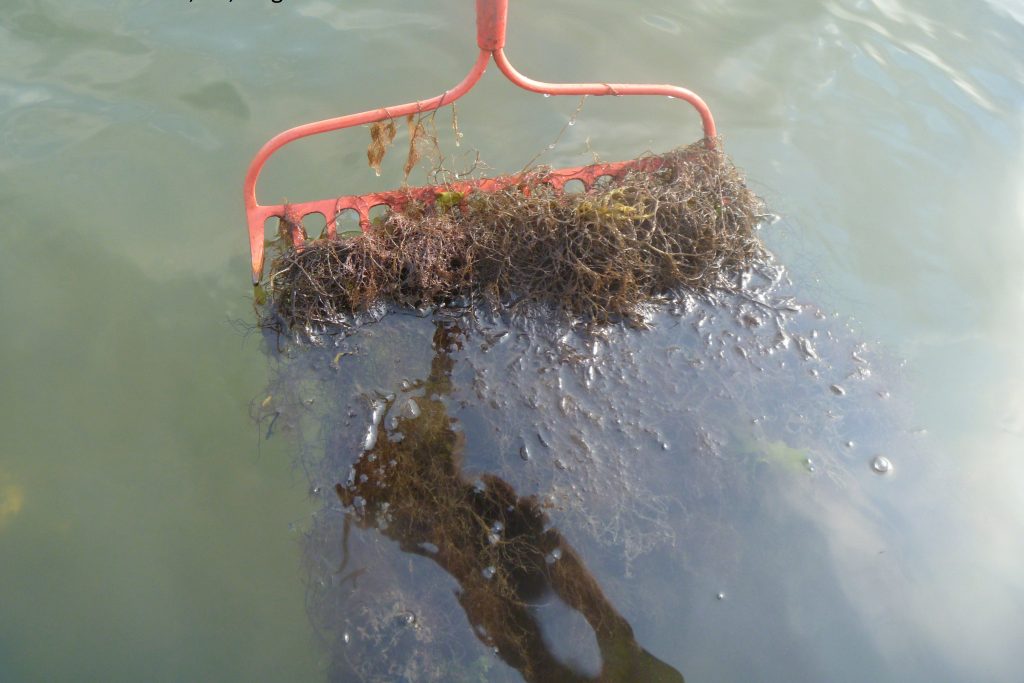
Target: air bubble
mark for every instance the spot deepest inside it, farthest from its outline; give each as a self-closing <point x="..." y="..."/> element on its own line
<point x="371" y="438"/>
<point x="720" y="596"/>
<point x="346" y="638"/>
<point x="881" y="464"/>
<point x="838" y="390"/>
<point x="379" y="407"/>
<point x="572" y="123"/>
<point x="411" y="409"/>
<point x="489" y="572"/>
<point x="547" y="94"/>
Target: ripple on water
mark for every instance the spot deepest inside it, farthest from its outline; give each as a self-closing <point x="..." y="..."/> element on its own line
<point x="662" y="23"/>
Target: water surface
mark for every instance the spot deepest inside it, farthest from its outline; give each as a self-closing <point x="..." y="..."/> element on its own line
<point x="148" y="532"/>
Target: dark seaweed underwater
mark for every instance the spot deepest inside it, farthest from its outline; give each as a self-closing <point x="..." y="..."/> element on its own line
<point x="509" y="497"/>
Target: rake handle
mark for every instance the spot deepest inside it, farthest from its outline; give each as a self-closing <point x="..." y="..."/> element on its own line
<point x="492" y="20"/>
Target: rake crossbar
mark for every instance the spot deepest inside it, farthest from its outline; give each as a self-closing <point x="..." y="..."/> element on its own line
<point x="491" y="22"/>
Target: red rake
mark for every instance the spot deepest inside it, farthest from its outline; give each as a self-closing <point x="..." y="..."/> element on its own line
<point x="491" y="19"/>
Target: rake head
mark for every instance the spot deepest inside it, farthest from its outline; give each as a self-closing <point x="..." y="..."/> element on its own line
<point x="491" y="22"/>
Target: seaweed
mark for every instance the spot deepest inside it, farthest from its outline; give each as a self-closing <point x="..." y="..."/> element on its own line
<point x="687" y="220"/>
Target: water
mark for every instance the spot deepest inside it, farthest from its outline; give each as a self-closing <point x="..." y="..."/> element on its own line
<point x="148" y="533"/>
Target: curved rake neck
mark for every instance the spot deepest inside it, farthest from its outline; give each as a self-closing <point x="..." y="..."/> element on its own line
<point x="363" y="118"/>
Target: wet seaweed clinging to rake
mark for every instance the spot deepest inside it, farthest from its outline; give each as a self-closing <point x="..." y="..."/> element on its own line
<point x="681" y="219"/>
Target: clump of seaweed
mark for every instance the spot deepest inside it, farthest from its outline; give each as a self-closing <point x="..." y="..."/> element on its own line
<point x="682" y="219"/>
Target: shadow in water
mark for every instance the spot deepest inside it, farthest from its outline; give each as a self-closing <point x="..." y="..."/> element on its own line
<point x="498" y="546"/>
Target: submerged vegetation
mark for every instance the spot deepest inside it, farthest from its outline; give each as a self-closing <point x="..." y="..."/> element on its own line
<point x="498" y="546"/>
<point x="12" y="499"/>
<point x="681" y="219"/>
<point x="513" y="496"/>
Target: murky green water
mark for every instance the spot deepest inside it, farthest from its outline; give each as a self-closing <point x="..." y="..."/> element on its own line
<point x="146" y="533"/>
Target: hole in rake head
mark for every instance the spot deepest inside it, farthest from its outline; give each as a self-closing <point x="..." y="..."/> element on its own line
<point x="378" y="213"/>
<point x="348" y="223"/>
<point x="574" y="186"/>
<point x="271" y="228"/>
<point x="314" y="224"/>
